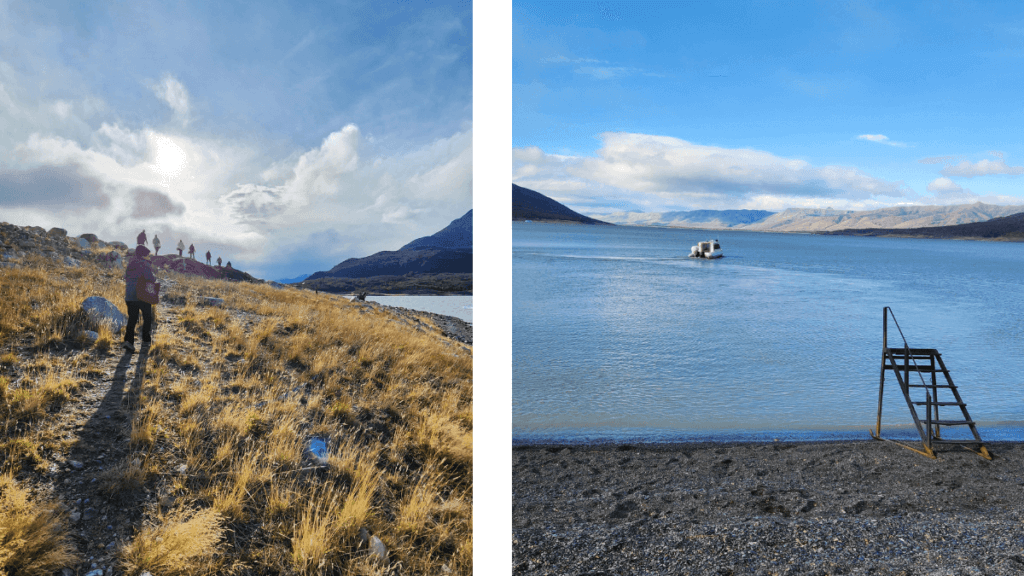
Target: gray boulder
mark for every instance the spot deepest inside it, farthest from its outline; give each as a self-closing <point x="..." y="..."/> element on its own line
<point x="57" y="233"/>
<point x="69" y="261"/>
<point x="90" y="237"/>
<point x="101" y="244"/>
<point x="82" y="242"/>
<point x="118" y="245"/>
<point x="101" y="310"/>
<point x="210" y="301"/>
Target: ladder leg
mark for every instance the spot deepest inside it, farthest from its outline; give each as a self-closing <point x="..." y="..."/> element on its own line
<point x="935" y="396"/>
<point x="881" y="387"/>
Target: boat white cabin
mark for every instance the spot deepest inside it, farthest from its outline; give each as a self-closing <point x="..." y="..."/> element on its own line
<point x="710" y="249"/>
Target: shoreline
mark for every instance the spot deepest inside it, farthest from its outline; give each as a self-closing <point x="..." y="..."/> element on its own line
<point x="990" y="432"/>
<point x="766" y="508"/>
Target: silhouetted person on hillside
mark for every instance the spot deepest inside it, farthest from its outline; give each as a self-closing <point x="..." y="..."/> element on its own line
<point x="208" y="257"/>
<point x="181" y="248"/>
<point x="192" y="251"/>
<point x="142" y="238"/>
<point x="218" y="260"/>
<point x="156" y="244"/>
<point x="139" y="267"/>
<point x="229" y="264"/>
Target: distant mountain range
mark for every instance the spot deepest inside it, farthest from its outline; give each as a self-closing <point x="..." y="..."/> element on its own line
<point x="691" y="219"/>
<point x="1010" y="228"/>
<point x="299" y="278"/>
<point x="818" y="220"/>
<point x="530" y="205"/>
<point x="441" y="262"/>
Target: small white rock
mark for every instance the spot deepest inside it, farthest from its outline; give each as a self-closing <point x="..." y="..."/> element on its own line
<point x="377" y="548"/>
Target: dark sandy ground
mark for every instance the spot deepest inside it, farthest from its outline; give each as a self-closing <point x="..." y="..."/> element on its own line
<point x="779" y="508"/>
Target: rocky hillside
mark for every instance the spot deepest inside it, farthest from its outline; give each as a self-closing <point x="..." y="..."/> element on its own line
<point x="1009" y="228"/>
<point x="18" y="241"/>
<point x="265" y="430"/>
<point x="819" y="220"/>
<point x="534" y="206"/>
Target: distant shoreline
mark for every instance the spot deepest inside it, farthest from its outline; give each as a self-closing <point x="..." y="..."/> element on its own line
<point x="865" y="234"/>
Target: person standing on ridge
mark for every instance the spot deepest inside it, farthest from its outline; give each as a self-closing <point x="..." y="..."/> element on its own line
<point x="181" y="248"/>
<point x="139" y="267"/>
<point x="218" y="260"/>
<point x="142" y="238"/>
<point x="156" y="244"/>
<point x="208" y="257"/>
<point x="192" y="251"/>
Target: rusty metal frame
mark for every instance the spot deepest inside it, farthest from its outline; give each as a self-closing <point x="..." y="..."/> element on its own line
<point x="929" y="432"/>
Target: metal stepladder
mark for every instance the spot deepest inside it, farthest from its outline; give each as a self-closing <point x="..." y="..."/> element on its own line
<point x="903" y="361"/>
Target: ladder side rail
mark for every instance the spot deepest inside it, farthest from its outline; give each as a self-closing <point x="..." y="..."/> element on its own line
<point x="963" y="406"/>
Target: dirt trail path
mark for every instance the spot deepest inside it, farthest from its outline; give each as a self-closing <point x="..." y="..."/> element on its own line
<point x="98" y="421"/>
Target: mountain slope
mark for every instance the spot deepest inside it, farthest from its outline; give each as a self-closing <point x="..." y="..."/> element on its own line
<point x="456" y="236"/>
<point x="820" y="219"/>
<point x="1002" y="228"/>
<point x="530" y="205"/>
<point x="690" y="219"/>
<point x="441" y="262"/>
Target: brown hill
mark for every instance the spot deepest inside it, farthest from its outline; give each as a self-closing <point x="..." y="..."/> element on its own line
<point x="1008" y="228"/>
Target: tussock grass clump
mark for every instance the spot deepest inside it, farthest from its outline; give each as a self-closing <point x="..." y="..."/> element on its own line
<point x="33" y="540"/>
<point x="182" y="541"/>
<point x="221" y="414"/>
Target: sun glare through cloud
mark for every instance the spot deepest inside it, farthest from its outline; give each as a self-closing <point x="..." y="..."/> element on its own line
<point x="169" y="159"/>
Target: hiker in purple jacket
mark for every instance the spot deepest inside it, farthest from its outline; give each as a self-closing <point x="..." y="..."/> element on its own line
<point x="138" y="267"/>
<point x="142" y="238"/>
<point x="192" y="251"/>
<point x="208" y="255"/>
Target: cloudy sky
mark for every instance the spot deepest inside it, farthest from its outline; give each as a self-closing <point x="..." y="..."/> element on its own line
<point x="284" y="137"/>
<point x="652" y="106"/>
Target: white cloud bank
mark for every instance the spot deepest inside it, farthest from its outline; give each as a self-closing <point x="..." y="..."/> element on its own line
<point x="277" y="218"/>
<point x="656" y="173"/>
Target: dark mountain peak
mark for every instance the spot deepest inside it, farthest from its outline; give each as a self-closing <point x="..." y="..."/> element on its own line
<point x="442" y="262"/>
<point x="456" y="236"/>
<point x="530" y="205"/>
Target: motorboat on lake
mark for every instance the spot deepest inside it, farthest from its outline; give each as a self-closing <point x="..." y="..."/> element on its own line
<point x="710" y="250"/>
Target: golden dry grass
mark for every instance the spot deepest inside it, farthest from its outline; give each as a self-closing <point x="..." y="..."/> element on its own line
<point x="235" y="393"/>
<point x="33" y="541"/>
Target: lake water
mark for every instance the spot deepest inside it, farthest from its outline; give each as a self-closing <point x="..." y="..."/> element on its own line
<point x="618" y="336"/>
<point x="460" y="307"/>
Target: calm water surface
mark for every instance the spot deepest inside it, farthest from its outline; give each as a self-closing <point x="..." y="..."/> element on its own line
<point x="618" y="335"/>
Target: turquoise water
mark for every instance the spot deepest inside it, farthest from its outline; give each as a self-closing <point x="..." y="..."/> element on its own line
<point x="618" y="335"/>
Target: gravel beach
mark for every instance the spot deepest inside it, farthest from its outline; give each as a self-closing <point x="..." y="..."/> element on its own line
<point x="779" y="508"/>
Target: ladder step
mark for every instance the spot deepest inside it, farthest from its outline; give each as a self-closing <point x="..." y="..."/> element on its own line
<point x="929" y="386"/>
<point x="952" y="422"/>
<point x="914" y="352"/>
<point x="940" y="403"/>
<point x="912" y="368"/>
